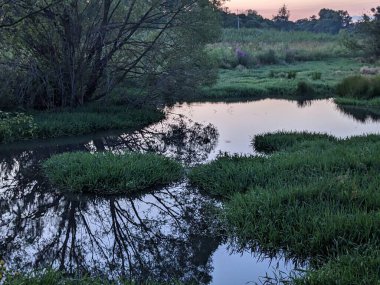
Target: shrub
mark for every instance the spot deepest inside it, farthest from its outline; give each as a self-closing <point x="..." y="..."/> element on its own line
<point x="244" y="58"/>
<point x="268" y="57"/>
<point x="354" y="86"/>
<point x="108" y="173"/>
<point x="290" y="56"/>
<point x="304" y="88"/>
<point x="16" y="126"/>
<point x="359" y="87"/>
<point x="292" y="75"/>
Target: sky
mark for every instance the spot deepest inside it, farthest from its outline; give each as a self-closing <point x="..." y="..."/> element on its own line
<point x="302" y="8"/>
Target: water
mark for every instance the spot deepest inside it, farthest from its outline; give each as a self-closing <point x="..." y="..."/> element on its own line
<point x="170" y="233"/>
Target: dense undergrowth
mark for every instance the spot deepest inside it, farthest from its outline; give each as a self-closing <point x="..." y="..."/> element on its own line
<point x="108" y="173"/>
<point x="316" y="198"/>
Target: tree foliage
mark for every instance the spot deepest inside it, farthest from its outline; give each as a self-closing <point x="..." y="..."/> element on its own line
<point x="78" y="51"/>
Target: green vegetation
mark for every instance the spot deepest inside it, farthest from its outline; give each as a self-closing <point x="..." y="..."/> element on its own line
<point x="354" y="269"/>
<point x="51" y="277"/>
<point x="145" y="49"/>
<point x="265" y="47"/>
<point x="16" y="126"/>
<point x="108" y="173"/>
<point x="285" y="81"/>
<point x="87" y="120"/>
<point x="78" y="121"/>
<point x="359" y="87"/>
<point x="316" y="198"/>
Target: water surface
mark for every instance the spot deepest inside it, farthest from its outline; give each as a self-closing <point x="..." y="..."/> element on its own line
<point x="170" y="233"/>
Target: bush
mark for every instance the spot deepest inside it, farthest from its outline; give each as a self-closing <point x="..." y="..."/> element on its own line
<point x="354" y="86"/>
<point x="16" y="126"/>
<point x="292" y="75"/>
<point x="304" y="88"/>
<point x="268" y="57"/>
<point x="108" y="173"/>
<point x="244" y="58"/>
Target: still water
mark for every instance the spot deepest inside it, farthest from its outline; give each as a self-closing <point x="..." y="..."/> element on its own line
<point x="168" y="234"/>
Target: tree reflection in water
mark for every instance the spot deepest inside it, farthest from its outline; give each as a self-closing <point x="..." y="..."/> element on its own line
<point x="162" y="235"/>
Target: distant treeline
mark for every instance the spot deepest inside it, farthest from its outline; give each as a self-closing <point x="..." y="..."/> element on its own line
<point x="327" y="21"/>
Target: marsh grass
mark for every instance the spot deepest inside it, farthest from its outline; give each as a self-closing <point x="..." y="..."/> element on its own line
<point x="53" y="277"/>
<point x="108" y="173"/>
<point x="356" y="269"/>
<point x="79" y="121"/>
<point x="273" y="46"/>
<point x="272" y="81"/>
<point x="92" y="119"/>
<point x="359" y="87"/>
<point x="316" y="198"/>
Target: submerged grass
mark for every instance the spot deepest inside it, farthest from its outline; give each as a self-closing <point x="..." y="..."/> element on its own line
<point x="108" y="173"/>
<point x="316" y="198"/>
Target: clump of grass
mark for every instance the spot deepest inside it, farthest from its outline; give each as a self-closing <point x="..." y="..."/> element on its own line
<point x="355" y="269"/>
<point x="92" y="119"/>
<point x="16" y="126"/>
<point x="359" y="87"/>
<point x="316" y="75"/>
<point x="282" y="141"/>
<point x="304" y="88"/>
<point x="292" y="75"/>
<point x="108" y="173"/>
<point x="70" y="122"/>
<point x="316" y="199"/>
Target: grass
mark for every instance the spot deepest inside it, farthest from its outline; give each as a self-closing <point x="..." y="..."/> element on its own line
<point x="108" y="173"/>
<point x="79" y="121"/>
<point x="279" y="81"/>
<point x="51" y="277"/>
<point x="359" y="87"/>
<point x="355" y="269"/>
<point x="316" y="198"/>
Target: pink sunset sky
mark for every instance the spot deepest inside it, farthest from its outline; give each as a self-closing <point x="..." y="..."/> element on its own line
<point x="303" y="8"/>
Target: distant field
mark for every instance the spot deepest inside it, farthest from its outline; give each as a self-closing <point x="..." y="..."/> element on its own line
<point x="287" y="46"/>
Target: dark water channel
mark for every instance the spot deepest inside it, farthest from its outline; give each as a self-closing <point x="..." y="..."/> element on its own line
<point x="166" y="234"/>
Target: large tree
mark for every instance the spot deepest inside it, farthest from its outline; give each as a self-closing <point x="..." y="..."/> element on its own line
<point x="79" y="50"/>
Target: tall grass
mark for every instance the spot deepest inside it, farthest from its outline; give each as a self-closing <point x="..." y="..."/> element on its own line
<point x="284" y="46"/>
<point x="359" y="87"/>
<point x="108" y="173"/>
